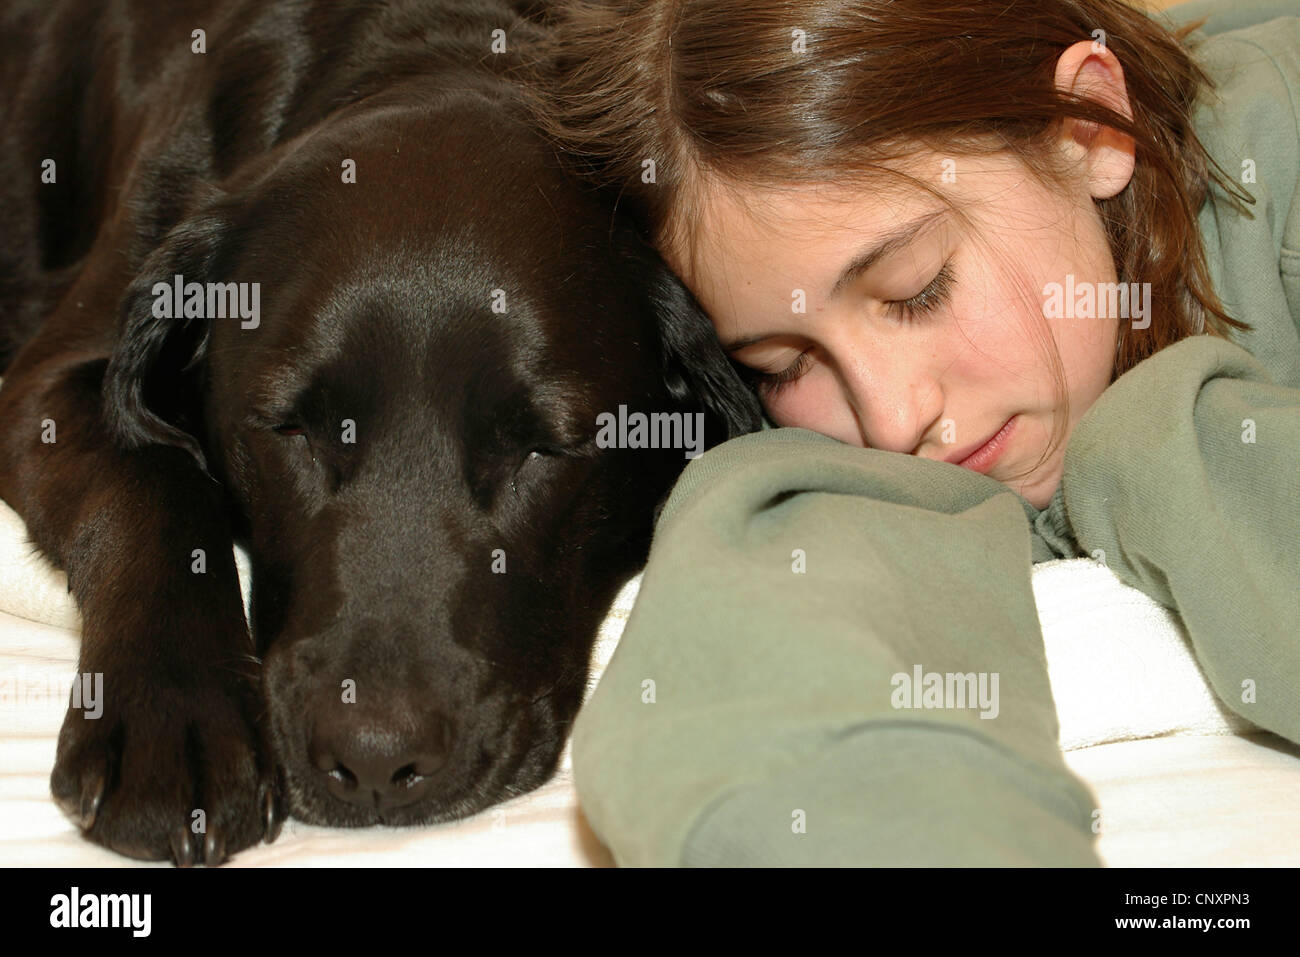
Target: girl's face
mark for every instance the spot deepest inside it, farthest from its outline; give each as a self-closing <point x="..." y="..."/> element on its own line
<point x="884" y="320"/>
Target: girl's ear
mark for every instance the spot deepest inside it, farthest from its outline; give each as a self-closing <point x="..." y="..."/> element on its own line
<point x="1089" y="70"/>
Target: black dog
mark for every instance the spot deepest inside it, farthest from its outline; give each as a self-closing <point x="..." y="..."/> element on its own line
<point x="394" y="404"/>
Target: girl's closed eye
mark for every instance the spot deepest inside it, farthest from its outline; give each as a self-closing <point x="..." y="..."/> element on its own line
<point x="930" y="299"/>
<point x="770" y="383"/>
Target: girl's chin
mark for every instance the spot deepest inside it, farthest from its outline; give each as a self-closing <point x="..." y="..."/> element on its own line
<point x="1038" y="488"/>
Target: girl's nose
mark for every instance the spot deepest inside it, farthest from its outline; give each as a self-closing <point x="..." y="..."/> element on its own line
<point x="895" y="404"/>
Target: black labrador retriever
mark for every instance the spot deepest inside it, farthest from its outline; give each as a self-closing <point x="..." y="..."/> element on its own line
<point x="300" y="275"/>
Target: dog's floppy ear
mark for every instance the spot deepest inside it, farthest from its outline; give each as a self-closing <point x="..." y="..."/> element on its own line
<point x="153" y="384"/>
<point x="695" y="369"/>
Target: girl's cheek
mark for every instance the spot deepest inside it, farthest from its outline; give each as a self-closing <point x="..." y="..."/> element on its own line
<point x="814" y="402"/>
<point x="781" y="410"/>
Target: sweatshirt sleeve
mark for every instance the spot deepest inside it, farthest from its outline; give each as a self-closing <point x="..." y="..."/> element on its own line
<point x="1184" y="478"/>
<point x="762" y="706"/>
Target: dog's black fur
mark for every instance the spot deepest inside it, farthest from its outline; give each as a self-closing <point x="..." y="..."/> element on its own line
<point x="131" y="442"/>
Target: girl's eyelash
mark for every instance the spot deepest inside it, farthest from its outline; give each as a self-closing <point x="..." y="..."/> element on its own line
<point x="770" y="383"/>
<point x="928" y="299"/>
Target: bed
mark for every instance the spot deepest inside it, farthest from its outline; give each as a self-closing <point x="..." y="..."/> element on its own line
<point x="1181" y="780"/>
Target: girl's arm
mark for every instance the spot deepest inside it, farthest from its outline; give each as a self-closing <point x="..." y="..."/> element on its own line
<point x="1185" y="479"/>
<point x="762" y="705"/>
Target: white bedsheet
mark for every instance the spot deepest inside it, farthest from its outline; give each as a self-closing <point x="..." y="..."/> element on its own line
<point x="1180" y="779"/>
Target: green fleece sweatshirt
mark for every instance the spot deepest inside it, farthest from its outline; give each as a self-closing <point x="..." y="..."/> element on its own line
<point x="760" y="709"/>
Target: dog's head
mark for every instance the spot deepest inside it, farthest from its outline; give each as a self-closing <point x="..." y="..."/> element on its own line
<point x="437" y="428"/>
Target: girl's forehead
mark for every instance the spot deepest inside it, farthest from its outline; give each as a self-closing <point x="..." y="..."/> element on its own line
<point x="754" y="222"/>
<point x="728" y="216"/>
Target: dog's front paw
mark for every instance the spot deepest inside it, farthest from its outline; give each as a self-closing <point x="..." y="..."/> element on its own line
<point x="157" y="771"/>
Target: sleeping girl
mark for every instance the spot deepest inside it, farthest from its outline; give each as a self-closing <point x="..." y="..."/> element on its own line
<point x="1014" y="280"/>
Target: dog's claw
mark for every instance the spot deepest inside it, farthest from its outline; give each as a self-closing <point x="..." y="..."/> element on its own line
<point x="182" y="847"/>
<point x="273" y="821"/>
<point x="214" y="847"/>
<point x="92" y="795"/>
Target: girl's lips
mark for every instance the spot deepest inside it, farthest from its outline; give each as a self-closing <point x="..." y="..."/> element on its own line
<point x="985" y="456"/>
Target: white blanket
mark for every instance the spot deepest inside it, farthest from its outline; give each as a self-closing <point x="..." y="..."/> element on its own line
<point x="1121" y="669"/>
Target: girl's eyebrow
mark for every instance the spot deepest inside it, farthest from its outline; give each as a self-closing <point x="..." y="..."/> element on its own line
<point x="892" y="241"/>
<point x="735" y="345"/>
<point x="859" y="264"/>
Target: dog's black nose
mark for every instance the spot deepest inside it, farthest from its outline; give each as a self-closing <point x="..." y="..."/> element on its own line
<point x="381" y="761"/>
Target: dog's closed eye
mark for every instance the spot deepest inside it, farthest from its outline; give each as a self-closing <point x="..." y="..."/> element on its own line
<point x="532" y="459"/>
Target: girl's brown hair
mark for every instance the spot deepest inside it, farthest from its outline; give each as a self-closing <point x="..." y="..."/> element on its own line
<point x="718" y="88"/>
